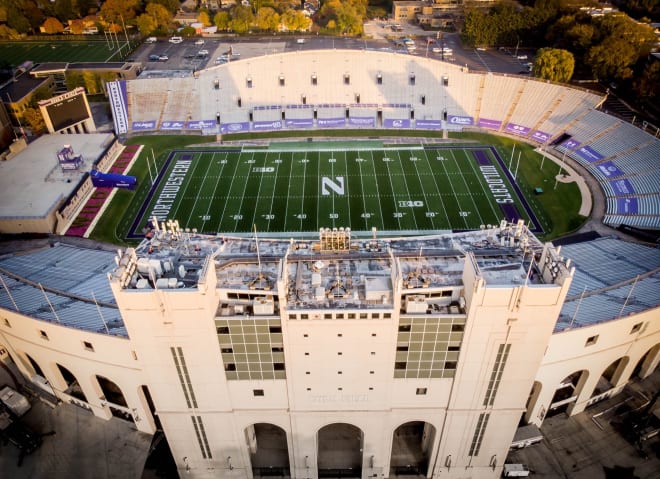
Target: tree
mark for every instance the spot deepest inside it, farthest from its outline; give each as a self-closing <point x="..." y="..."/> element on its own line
<point x="222" y="20"/>
<point x="171" y="5"/>
<point x="161" y="15"/>
<point x="114" y="11"/>
<point x="52" y="25"/>
<point x="146" y="24"/>
<point x="295" y="20"/>
<point x="204" y="18"/>
<point x="554" y="64"/>
<point x="8" y="33"/>
<point x="77" y="27"/>
<point x="34" y="120"/>
<point x="267" y="19"/>
<point x="241" y="18"/>
<point x="648" y="84"/>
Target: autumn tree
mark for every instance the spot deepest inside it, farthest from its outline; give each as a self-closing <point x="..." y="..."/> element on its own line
<point x="267" y="19"/>
<point x="204" y="18"/>
<point x="8" y="33"/>
<point x="114" y="11"/>
<point x="554" y="64"/>
<point x="146" y="24"/>
<point x="648" y="83"/>
<point x="295" y="20"/>
<point x="51" y="26"/>
<point x="241" y="19"/>
<point x="222" y="20"/>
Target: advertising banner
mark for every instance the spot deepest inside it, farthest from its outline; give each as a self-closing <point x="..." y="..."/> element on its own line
<point x="299" y="123"/>
<point x="627" y="206"/>
<point x="172" y="125"/>
<point x="517" y="129"/>
<point x="571" y="144"/>
<point x="610" y="170"/>
<point x="331" y="122"/>
<point x="490" y="124"/>
<point x="460" y="120"/>
<point x="200" y="124"/>
<point x="394" y="123"/>
<point x="369" y="121"/>
<point x="589" y="154"/>
<point x="622" y="187"/>
<point x="235" y="127"/>
<point x="540" y="136"/>
<point x="144" y="125"/>
<point x="429" y="124"/>
<point x="267" y="125"/>
<point x="118" y="102"/>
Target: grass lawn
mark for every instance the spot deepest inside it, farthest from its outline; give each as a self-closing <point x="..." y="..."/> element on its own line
<point x="73" y="51"/>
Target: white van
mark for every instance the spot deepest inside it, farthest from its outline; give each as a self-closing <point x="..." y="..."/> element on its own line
<point x="176" y="40"/>
<point x="151" y="40"/>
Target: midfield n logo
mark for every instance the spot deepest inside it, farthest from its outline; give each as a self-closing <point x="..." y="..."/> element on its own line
<point x="337" y="187"/>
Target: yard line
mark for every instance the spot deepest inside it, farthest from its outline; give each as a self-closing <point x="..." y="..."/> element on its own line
<point x="405" y="182"/>
<point x="199" y="192"/>
<point x="215" y="188"/>
<point x="231" y="184"/>
<point x="453" y="191"/>
<point x="288" y="194"/>
<point x="426" y="200"/>
<point x="364" y="197"/>
<point x="348" y="193"/>
<point x="256" y="203"/>
<point x="302" y="196"/>
<point x="442" y="203"/>
<point x="476" y="208"/>
<point x="380" y="204"/>
<point x="240" y="205"/>
<point x="183" y="193"/>
<point x="394" y="200"/>
<point x="272" y="197"/>
<point x="487" y="193"/>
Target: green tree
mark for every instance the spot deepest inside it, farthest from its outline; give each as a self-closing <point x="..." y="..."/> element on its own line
<point x="146" y="24"/>
<point x="65" y="10"/>
<point x="161" y="15"/>
<point x="648" y="83"/>
<point x="241" y="19"/>
<point x="554" y="64"/>
<point x="52" y="25"/>
<point x="267" y="19"/>
<point x="33" y="119"/>
<point x="171" y="5"/>
<point x="113" y="11"/>
<point x="222" y="20"/>
<point x="611" y="60"/>
<point x="295" y="20"/>
<point x="204" y="18"/>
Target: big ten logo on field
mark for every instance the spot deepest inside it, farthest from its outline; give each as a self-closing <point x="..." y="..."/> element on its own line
<point x="263" y="169"/>
<point x="327" y="184"/>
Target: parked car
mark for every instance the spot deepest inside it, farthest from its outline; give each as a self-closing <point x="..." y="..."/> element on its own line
<point x="151" y="40"/>
<point x="199" y="42"/>
<point x="176" y="40"/>
<point x="154" y="58"/>
<point x="163" y="58"/>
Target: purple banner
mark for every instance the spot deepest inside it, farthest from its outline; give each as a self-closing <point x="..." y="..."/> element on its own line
<point x="589" y="154"/>
<point x="331" y="122"/>
<point x="460" y="120"/>
<point x="622" y="187"/>
<point x="118" y="101"/>
<point x="362" y="121"/>
<point x="201" y="124"/>
<point x="299" y="123"/>
<point x="517" y="129"/>
<point x="540" y="136"/>
<point x="234" y="127"/>
<point x="267" y="125"/>
<point x="571" y="144"/>
<point x="627" y="206"/>
<point x="610" y="170"/>
<point x="491" y="124"/>
<point x="144" y="125"/>
<point x="393" y="123"/>
<point x="429" y="124"/>
<point x="172" y="125"/>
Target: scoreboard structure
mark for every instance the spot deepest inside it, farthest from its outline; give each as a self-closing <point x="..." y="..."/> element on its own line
<point x="68" y="113"/>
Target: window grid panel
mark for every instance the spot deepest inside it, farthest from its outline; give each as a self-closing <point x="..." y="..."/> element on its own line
<point x="199" y="438"/>
<point x="181" y="380"/>
<point x="182" y="360"/>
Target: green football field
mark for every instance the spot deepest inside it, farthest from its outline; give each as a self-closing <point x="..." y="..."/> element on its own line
<point x="97" y="50"/>
<point x="392" y="189"/>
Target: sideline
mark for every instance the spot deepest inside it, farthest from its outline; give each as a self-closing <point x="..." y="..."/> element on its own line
<point x="573" y="176"/>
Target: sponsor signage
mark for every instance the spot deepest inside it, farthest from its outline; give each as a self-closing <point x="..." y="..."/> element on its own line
<point x="610" y="170"/>
<point x="394" y="123"/>
<point x="540" y="136"/>
<point x="331" y="122"/>
<point x="117" y="96"/>
<point x="627" y="206"/>
<point x="299" y="123"/>
<point x="200" y="124"/>
<point x="172" y="125"/>
<point x="571" y="144"/>
<point x="589" y="154"/>
<point x="267" y="125"/>
<point x="362" y="121"/>
<point x="234" y="127"/>
<point x="491" y="124"/>
<point x="517" y="129"/>
<point x="622" y="187"/>
<point x="429" y="124"/>
<point x="460" y="120"/>
<point x="144" y="125"/>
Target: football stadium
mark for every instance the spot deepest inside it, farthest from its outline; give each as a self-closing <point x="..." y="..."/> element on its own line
<point x="291" y="300"/>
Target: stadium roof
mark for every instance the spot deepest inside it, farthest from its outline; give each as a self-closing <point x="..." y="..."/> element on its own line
<point x="612" y="279"/>
<point x="62" y="284"/>
<point x="32" y="184"/>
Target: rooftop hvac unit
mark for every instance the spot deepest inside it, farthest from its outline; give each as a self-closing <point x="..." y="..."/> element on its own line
<point x="263" y="306"/>
<point x="415" y="304"/>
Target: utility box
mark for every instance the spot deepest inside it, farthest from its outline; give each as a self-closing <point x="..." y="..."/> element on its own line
<point x="15" y="402"/>
<point x="516" y="470"/>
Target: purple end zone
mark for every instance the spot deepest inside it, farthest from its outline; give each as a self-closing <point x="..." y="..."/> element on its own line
<point x="481" y="157"/>
<point x="510" y="212"/>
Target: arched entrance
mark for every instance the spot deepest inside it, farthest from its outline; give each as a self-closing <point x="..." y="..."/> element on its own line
<point x="412" y="446"/>
<point x="72" y="387"/>
<point x="113" y="397"/>
<point x="610" y="376"/>
<point x="269" y="451"/>
<point x="567" y="393"/>
<point x="35" y="366"/>
<point x="534" y="394"/>
<point x="339" y="451"/>
<point x="647" y="363"/>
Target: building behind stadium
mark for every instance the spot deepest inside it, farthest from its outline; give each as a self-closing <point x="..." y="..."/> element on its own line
<point x="359" y="356"/>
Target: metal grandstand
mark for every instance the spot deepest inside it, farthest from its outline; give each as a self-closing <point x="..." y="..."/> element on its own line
<point x="62" y="284"/>
<point x="612" y="279"/>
